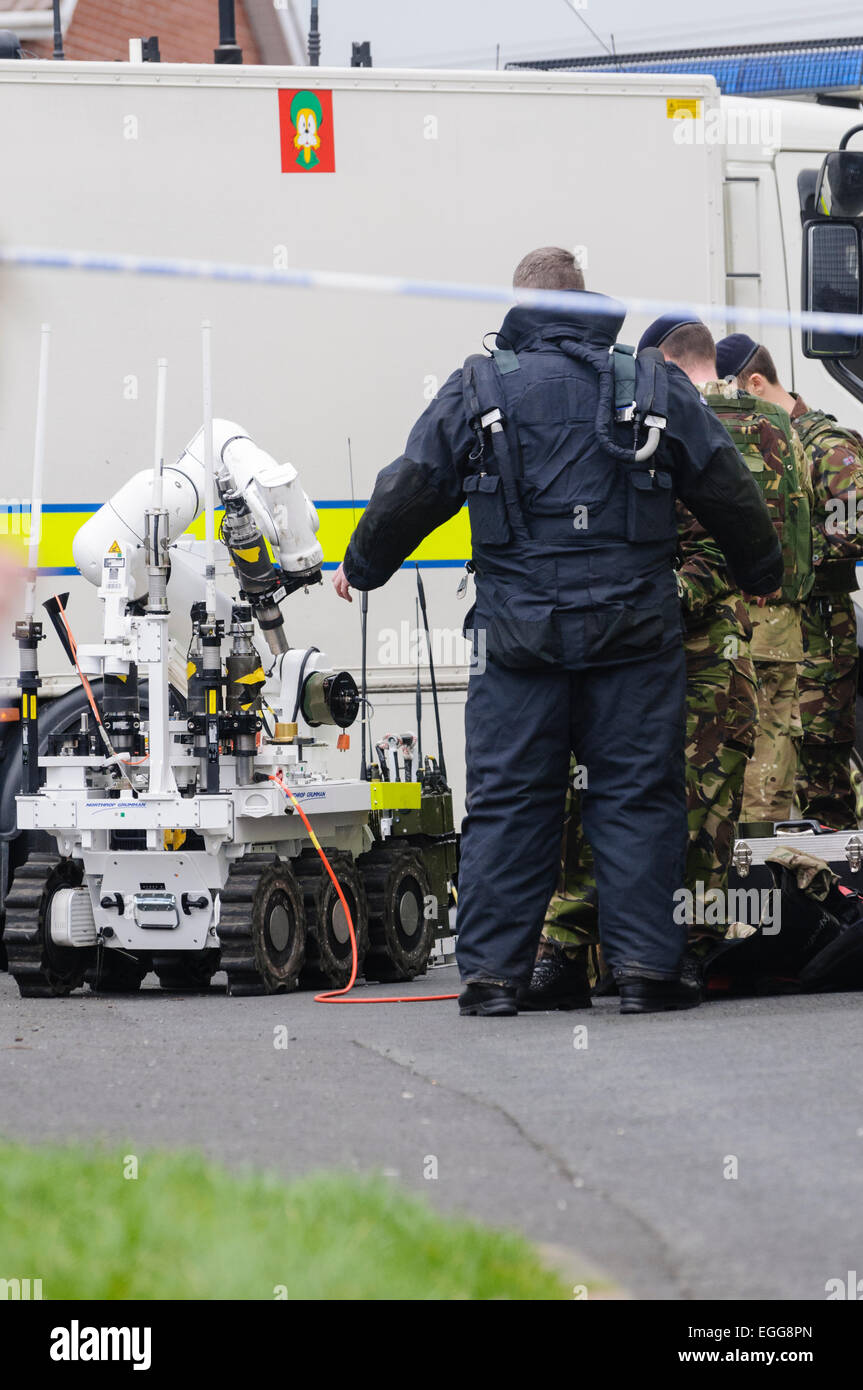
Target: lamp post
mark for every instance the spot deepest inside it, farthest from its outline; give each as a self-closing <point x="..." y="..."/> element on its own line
<point x="228" y="50"/>
<point x="58" y="32"/>
<point x="314" y="38"/>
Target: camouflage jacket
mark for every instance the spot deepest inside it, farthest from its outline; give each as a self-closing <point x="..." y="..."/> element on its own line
<point x="770" y="447"/>
<point x="835" y="456"/>
<point x="712" y="606"/>
<point x="763" y="434"/>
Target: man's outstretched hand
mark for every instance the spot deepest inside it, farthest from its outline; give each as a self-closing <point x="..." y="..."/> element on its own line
<point x="761" y="599"/>
<point x="341" y="585"/>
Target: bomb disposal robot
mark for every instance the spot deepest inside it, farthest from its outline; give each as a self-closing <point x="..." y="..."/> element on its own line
<point x="176" y="849"/>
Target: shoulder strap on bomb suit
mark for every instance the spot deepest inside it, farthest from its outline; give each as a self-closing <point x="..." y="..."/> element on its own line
<point x="484" y="403"/>
<point x="640" y="399"/>
<point x="632" y="390"/>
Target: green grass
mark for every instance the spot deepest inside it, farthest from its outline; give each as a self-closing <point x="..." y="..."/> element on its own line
<point x="186" y="1228"/>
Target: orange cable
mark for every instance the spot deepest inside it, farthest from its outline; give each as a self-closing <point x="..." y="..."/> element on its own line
<point x="74" y="646"/>
<point x="336" y="996"/>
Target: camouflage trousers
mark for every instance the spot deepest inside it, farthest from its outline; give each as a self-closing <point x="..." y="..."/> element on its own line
<point x="721" y="723"/>
<point x="828" y="697"/>
<point x="721" y="712"/>
<point x="768" y="788"/>
<point x="572" y="916"/>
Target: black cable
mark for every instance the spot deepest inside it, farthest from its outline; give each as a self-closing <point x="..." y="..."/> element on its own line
<point x="422" y="598"/>
<point x="419" y="698"/>
<point x="364" y="614"/>
<point x="303" y="666"/>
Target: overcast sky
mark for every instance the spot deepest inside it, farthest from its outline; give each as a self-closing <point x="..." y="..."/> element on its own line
<point x="465" y="33"/>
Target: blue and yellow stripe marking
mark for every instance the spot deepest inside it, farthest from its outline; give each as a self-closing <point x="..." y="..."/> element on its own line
<point x="446" y="548"/>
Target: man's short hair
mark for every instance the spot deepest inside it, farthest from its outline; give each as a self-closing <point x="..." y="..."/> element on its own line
<point x="548" y="268"/>
<point x="690" y="344"/>
<point x="760" y="362"/>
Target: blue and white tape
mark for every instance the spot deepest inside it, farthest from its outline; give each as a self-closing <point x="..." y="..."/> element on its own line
<point x="569" y="301"/>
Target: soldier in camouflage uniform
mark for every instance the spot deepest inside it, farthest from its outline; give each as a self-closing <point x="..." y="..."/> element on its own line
<point x="721" y="718"/>
<point x="828" y="671"/>
<point x="762" y="431"/>
<point x="721" y="703"/>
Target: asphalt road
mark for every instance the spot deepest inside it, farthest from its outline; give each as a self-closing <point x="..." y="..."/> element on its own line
<point x="616" y="1152"/>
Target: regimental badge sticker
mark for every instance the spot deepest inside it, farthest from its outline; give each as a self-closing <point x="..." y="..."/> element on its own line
<point x="306" y="131"/>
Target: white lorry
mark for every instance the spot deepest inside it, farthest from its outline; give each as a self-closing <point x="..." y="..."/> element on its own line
<point x="666" y="190"/>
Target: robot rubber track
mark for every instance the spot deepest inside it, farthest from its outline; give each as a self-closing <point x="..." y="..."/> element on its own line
<point x="262" y="926"/>
<point x="40" y="968"/>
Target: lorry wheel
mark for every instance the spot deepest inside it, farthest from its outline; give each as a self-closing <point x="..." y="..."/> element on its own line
<point x="115" y="972"/>
<point x="262" y="926"/>
<point x="187" y="972"/>
<point x="40" y="968"/>
<point x="400" y="936"/>
<point x="328" y="940"/>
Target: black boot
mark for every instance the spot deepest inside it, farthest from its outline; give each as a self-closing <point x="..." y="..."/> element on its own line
<point x="691" y="970"/>
<point x="499" y="1000"/>
<point x="606" y="986"/>
<point x="559" y="981"/>
<point x="639" y="995"/>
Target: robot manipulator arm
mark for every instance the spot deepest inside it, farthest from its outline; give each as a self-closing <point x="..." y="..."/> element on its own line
<point x="259" y="576"/>
<point x="284" y="512"/>
<point x="264" y="502"/>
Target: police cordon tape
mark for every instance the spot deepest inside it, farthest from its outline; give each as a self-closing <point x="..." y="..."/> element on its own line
<point x="570" y="301"/>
